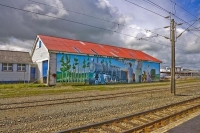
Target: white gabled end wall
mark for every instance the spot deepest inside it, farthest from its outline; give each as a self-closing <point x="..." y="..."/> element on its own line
<point x="40" y="53"/>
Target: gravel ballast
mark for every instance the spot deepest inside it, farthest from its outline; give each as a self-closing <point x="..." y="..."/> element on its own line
<point x="63" y="116"/>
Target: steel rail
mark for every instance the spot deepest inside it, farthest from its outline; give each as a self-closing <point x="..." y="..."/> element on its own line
<point x="161" y="121"/>
<point x="97" y="97"/>
<point x="116" y="120"/>
<point x="127" y="92"/>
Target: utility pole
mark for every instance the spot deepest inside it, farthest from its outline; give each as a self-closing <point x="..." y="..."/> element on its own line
<point x="173" y="84"/>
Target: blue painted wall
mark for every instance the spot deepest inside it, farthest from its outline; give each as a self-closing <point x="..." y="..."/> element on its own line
<point x="101" y="70"/>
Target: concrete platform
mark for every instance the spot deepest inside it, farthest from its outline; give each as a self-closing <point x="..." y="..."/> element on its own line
<point x="181" y="126"/>
<point x="191" y="126"/>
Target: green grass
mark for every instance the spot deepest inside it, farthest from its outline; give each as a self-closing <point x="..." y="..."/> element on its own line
<point x="25" y="90"/>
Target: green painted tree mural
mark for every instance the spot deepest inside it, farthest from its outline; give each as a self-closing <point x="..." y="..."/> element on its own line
<point x="62" y="69"/>
<point x="84" y="66"/>
<point x="68" y="67"/>
<point x="65" y="66"/>
<point x="74" y="68"/>
<point x="88" y="65"/>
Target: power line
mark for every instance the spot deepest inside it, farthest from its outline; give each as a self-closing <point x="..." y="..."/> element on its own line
<point x="183" y="8"/>
<point x="15" y="8"/>
<point x="146" y="9"/>
<point x="166" y="11"/>
<point x="187" y="28"/>
<point x="72" y="11"/>
<point x="152" y="3"/>
<point x="189" y="31"/>
<point x="94" y="17"/>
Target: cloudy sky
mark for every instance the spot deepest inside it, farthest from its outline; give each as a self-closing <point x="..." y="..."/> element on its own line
<point x="136" y="24"/>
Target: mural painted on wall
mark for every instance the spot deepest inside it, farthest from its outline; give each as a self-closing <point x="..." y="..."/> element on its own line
<point x="101" y="70"/>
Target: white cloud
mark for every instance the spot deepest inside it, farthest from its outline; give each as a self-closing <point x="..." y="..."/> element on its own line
<point x="16" y="45"/>
<point x="120" y="12"/>
<point x="103" y="4"/>
<point x="33" y="8"/>
<point x="55" y="12"/>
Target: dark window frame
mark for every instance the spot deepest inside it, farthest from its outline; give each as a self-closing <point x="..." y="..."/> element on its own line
<point x="21" y="65"/>
<point x="6" y="65"/>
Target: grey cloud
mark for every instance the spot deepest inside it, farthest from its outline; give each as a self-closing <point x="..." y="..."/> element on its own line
<point x="24" y="27"/>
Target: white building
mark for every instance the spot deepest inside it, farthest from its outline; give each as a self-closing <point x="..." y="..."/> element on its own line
<point x="15" y="66"/>
<point x="66" y="60"/>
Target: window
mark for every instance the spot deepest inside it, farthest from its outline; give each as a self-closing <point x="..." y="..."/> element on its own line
<point x="21" y="67"/>
<point x="7" y="67"/>
<point x="39" y="44"/>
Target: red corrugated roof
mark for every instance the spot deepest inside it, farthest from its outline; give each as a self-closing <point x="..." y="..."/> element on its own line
<point x="69" y="45"/>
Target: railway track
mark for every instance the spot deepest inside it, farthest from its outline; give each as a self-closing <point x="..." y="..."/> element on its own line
<point x="48" y="102"/>
<point x="143" y="122"/>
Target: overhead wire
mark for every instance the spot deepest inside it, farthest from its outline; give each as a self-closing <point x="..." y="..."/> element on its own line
<point x="158" y="6"/>
<point x="183" y="8"/>
<point x="24" y="10"/>
<point x="15" y="8"/>
<point x="187" y="28"/>
<point x="149" y="1"/>
<point x="94" y="17"/>
<point x="152" y="3"/>
<point x="146" y="9"/>
<point x="144" y="38"/>
<point x="156" y="34"/>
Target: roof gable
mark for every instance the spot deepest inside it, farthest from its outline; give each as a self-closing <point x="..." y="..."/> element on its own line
<point x="81" y="47"/>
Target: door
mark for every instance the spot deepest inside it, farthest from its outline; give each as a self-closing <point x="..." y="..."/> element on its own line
<point x="44" y="70"/>
<point x="33" y="76"/>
